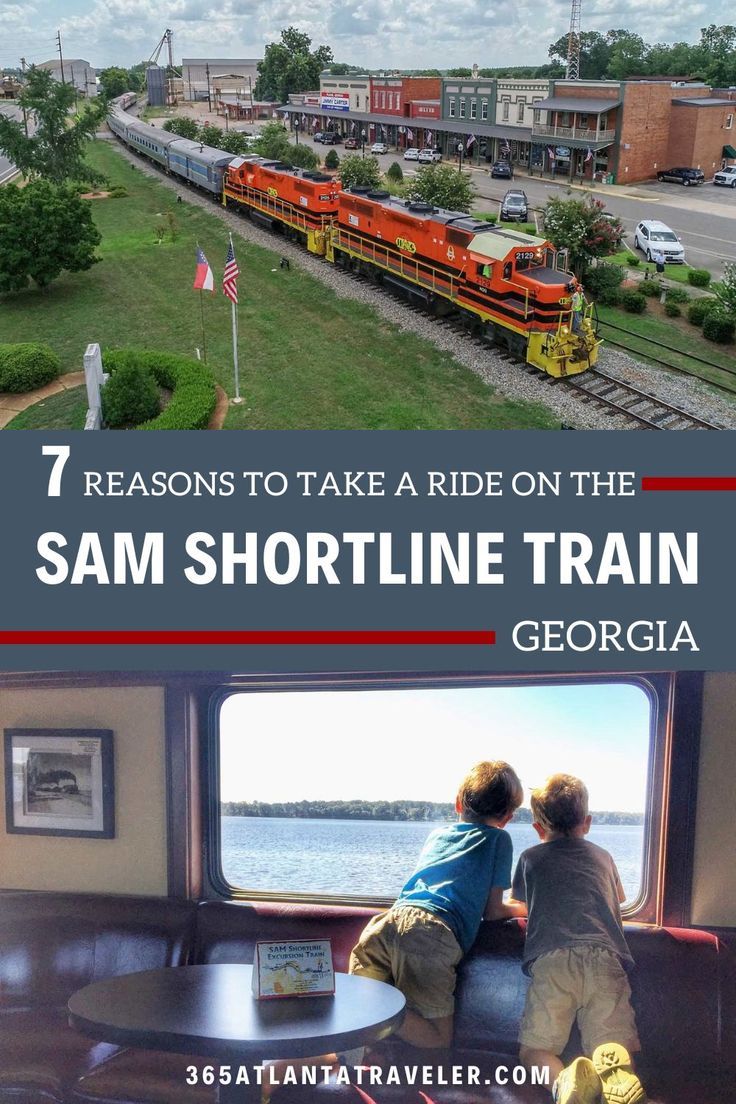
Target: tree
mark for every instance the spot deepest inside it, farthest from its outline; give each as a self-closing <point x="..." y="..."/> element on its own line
<point x="137" y="76"/>
<point x="56" y="150"/>
<point x="395" y="172"/>
<point x="290" y="66"/>
<point x="45" y="229"/>
<point x="114" y="81"/>
<point x="332" y="161"/>
<point x="303" y="157"/>
<point x="595" y="54"/>
<point x="629" y="55"/>
<point x="211" y="135"/>
<point x="236" y="143"/>
<point x="185" y="128"/>
<point x="580" y="226"/>
<point x="444" y="186"/>
<point x="273" y="142"/>
<point x="360" y="172"/>
<point x="726" y="291"/>
<point x="460" y="72"/>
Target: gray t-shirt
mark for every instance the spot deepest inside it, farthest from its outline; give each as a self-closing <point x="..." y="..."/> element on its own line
<point x="571" y="889"/>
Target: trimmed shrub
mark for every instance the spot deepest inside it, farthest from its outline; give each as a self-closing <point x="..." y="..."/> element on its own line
<point x="633" y="301"/>
<point x="698" y="277"/>
<point x="632" y="260"/>
<point x="676" y="295"/>
<point x="129" y="397"/>
<point x="26" y="366"/>
<point x="719" y="327"/>
<point x="604" y="283"/>
<point x="651" y="288"/>
<point x="395" y="172"/>
<point x="699" y="310"/>
<point x="191" y="383"/>
<point x="332" y="161"/>
<point x="672" y="310"/>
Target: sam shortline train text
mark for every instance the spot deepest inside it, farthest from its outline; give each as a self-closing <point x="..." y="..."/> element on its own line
<point x="357" y="558"/>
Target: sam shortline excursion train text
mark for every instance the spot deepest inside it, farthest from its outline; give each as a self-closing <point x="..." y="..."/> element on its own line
<point x="503" y="283"/>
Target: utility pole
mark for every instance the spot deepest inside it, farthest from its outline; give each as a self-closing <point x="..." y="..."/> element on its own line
<point x="25" y="114"/>
<point x="61" y="59"/>
<point x="209" y="97"/>
<point x="74" y="86"/>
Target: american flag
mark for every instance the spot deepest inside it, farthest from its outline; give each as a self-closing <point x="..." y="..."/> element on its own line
<point x="230" y="276"/>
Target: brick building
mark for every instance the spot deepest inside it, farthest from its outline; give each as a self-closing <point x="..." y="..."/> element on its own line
<point x="394" y="95"/>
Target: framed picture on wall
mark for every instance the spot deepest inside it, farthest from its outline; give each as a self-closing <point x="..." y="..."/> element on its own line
<point x="60" y="782"/>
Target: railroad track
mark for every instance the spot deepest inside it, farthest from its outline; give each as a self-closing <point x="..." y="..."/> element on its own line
<point x="728" y="375"/>
<point x="645" y="410"/>
<point x="648" y="411"/>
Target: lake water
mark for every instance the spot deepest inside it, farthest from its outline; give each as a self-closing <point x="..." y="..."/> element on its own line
<point x="368" y="857"/>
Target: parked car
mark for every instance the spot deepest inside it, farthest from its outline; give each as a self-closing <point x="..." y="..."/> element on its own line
<point x="379" y="147"/>
<point x="726" y="176"/>
<point x="428" y="156"/>
<point x="411" y="153"/>
<point x="686" y="177"/>
<point x="652" y="236"/>
<point x="514" y="207"/>
<point x="352" y="143"/>
<point x="502" y="169"/>
<point x="331" y="138"/>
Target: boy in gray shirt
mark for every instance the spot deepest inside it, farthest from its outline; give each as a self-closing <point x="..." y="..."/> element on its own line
<point x="575" y="951"/>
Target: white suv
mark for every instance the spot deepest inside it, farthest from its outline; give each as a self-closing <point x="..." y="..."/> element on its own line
<point x="428" y="156"/>
<point x="652" y="237"/>
<point x="726" y="176"/>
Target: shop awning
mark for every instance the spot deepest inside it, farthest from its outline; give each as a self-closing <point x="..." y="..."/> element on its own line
<point x="729" y="151"/>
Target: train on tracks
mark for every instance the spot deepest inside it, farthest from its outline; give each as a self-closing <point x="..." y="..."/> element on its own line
<point x="507" y="286"/>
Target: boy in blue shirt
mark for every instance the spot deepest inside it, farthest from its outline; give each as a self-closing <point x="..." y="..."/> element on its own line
<point x="416" y="945"/>
<point x="459" y="880"/>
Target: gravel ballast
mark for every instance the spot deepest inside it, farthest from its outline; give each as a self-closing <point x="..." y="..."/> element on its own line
<point x="505" y="376"/>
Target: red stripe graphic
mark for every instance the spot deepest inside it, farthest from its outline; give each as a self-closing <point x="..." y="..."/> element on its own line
<point x="249" y="637"/>
<point x="688" y="483"/>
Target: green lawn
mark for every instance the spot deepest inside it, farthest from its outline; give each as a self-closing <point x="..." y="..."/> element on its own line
<point x="67" y="410"/>
<point x="680" y="335"/>
<point x="308" y="359"/>
<point x="672" y="271"/>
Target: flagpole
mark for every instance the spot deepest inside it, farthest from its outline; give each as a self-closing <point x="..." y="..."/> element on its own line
<point x="204" y="339"/>
<point x="237" y="398"/>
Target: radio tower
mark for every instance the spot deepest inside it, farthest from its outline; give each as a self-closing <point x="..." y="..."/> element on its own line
<point x="573" y="42"/>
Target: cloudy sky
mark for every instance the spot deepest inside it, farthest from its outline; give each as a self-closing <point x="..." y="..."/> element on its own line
<point x="375" y="33"/>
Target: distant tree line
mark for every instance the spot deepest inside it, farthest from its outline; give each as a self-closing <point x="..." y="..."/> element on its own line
<point x="383" y="810"/>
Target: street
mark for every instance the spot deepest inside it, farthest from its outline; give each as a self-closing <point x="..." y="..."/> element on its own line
<point x="704" y="217"/>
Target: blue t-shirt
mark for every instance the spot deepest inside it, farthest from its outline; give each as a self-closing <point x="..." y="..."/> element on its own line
<point x="458" y="867"/>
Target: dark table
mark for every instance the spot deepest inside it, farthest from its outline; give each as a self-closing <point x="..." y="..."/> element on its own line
<point x="210" y="1011"/>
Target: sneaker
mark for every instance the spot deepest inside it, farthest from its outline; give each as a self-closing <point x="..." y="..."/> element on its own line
<point x="620" y="1083"/>
<point x="578" y="1084"/>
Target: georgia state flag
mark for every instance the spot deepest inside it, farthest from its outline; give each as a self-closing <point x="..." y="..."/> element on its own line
<point x="203" y="278"/>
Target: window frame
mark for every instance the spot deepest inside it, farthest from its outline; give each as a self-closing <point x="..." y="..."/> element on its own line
<point x="675" y="701"/>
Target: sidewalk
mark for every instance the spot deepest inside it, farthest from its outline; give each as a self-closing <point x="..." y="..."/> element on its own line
<point x="10" y="405"/>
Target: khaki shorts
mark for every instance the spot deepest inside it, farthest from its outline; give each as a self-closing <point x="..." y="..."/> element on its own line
<point x="586" y="984"/>
<point x="415" y="951"/>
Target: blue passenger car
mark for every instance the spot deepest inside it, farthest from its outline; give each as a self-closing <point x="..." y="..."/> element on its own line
<point x="201" y="165"/>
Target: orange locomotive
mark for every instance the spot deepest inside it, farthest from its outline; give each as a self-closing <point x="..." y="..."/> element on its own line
<point x="504" y="282"/>
<point x="304" y="203"/>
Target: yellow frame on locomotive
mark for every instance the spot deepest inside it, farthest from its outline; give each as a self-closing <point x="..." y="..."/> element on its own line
<point x="284" y="211"/>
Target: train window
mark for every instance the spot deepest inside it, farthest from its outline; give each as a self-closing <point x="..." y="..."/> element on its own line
<point x="331" y="792"/>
